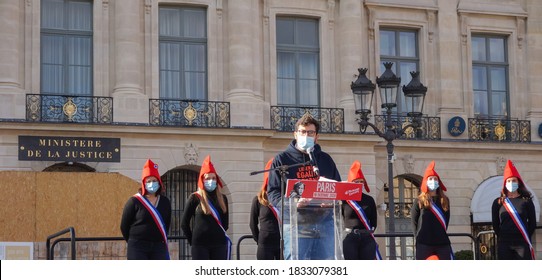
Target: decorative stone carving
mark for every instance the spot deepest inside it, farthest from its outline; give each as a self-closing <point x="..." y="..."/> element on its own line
<point x="501" y="163"/>
<point x="191" y="154"/>
<point x="408" y="163"/>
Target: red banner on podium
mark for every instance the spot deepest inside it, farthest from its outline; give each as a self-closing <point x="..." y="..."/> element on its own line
<point x="328" y="190"/>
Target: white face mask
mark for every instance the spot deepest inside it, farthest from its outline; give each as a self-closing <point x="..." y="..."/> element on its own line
<point x="209" y="185"/>
<point x="512" y="186"/>
<point x="432" y="185"/>
<point x="305" y="142"/>
<point x="152" y="187"/>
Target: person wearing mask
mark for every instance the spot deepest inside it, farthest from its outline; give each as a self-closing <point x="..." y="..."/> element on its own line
<point x="146" y="218"/>
<point x="264" y="223"/>
<point x="207" y="210"/>
<point x="430" y="217"/>
<point x="513" y="217"/>
<point x="316" y="243"/>
<point x="359" y="221"/>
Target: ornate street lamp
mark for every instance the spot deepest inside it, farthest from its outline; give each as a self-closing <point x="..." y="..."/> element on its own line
<point x="388" y="84"/>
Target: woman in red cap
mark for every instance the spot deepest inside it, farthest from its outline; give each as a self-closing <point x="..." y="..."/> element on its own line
<point x="264" y="223"/>
<point x="359" y="221"/>
<point x="514" y="218"/>
<point x="146" y="218"/>
<point x="207" y="211"/>
<point x="430" y="217"/>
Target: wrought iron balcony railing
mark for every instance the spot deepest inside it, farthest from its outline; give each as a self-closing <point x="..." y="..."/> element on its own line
<point x="499" y="130"/>
<point x="429" y="127"/>
<point x="192" y="113"/>
<point x="69" y="108"/>
<point x="283" y="118"/>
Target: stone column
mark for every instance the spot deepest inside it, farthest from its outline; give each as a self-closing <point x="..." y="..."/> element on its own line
<point x="246" y="106"/>
<point x="534" y="46"/>
<point x="351" y="52"/>
<point x="11" y="50"/>
<point x="130" y="104"/>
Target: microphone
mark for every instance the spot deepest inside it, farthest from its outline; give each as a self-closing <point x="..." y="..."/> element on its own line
<point x="313" y="161"/>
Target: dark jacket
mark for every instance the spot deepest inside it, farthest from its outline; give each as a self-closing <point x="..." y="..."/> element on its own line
<point x="138" y="224"/>
<point x="504" y="226"/>
<point x="427" y="229"/>
<point x="201" y="229"/>
<point x="292" y="156"/>
<point x="263" y="224"/>
<point x="351" y="219"/>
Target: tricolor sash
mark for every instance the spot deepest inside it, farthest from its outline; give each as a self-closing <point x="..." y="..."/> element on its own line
<point x="216" y="216"/>
<point x="519" y="223"/>
<point x="275" y="212"/>
<point x="156" y="217"/>
<point x="365" y="221"/>
<point x="442" y="220"/>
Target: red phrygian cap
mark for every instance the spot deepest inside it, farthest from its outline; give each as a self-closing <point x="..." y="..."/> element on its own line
<point x="356" y="173"/>
<point x="430" y="171"/>
<point x="207" y="167"/>
<point x="511" y="171"/>
<point x="150" y="169"/>
<point x="266" y="175"/>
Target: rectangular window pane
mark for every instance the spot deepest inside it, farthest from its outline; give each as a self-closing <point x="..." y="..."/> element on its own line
<point x="195" y="85"/>
<point x="286" y="91"/>
<point x="52" y="79"/>
<point x="408" y="44"/>
<point x="308" y="90"/>
<point x="498" y="103"/>
<point x="387" y="43"/>
<point x="286" y="65"/>
<point x="498" y="79"/>
<point x="194" y="23"/>
<point x="285" y="31"/>
<point x="307" y="33"/>
<point x="479" y="78"/>
<point x="80" y="16"/>
<point x="52" y="14"/>
<point x="170" y="22"/>
<point x="308" y="66"/>
<point x="496" y="50"/>
<point x="478" y="49"/>
<point x="404" y="72"/>
<point x="480" y="103"/>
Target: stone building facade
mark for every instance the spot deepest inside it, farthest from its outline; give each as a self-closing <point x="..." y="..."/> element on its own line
<point x="479" y="59"/>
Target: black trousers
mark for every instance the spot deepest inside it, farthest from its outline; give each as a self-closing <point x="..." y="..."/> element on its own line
<point x="359" y="246"/>
<point x="268" y="252"/>
<point x="423" y="251"/>
<point x="209" y="252"/>
<point x="146" y="250"/>
<point x="516" y="249"/>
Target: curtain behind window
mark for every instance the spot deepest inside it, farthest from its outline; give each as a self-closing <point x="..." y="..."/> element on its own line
<point x="66" y="47"/>
<point x="183" y="53"/>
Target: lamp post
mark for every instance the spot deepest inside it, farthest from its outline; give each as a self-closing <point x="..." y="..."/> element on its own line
<point x="388" y="84"/>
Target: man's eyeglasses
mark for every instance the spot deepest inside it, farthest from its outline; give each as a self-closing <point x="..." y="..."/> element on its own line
<point x="307" y="132"/>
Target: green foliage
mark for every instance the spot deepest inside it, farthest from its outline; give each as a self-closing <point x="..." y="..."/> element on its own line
<point x="464" y="255"/>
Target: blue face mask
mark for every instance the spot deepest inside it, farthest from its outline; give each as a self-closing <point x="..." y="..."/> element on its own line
<point x="305" y="142"/>
<point x="512" y="186"/>
<point x="152" y="187"/>
<point x="432" y="185"/>
<point x="210" y="185"/>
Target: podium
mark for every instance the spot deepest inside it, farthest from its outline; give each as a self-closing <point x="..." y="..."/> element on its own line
<point x="316" y="224"/>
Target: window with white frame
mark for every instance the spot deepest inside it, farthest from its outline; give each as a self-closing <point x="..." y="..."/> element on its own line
<point x="490" y="76"/>
<point x="183" y="52"/>
<point x="401" y="48"/>
<point x="298" y="62"/>
<point x="66" y="47"/>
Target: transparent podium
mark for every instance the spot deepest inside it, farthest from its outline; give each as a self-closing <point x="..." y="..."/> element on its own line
<point x="316" y="224"/>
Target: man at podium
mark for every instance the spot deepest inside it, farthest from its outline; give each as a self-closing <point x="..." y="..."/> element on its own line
<point x="302" y="149"/>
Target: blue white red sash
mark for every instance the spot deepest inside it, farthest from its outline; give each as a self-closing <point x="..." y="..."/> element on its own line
<point x="275" y="212"/>
<point x="156" y="217"/>
<point x="216" y="216"/>
<point x="365" y="221"/>
<point x="519" y="223"/>
<point x="442" y="220"/>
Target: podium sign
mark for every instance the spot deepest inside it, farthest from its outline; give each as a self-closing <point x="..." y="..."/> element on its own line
<point x="328" y="190"/>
